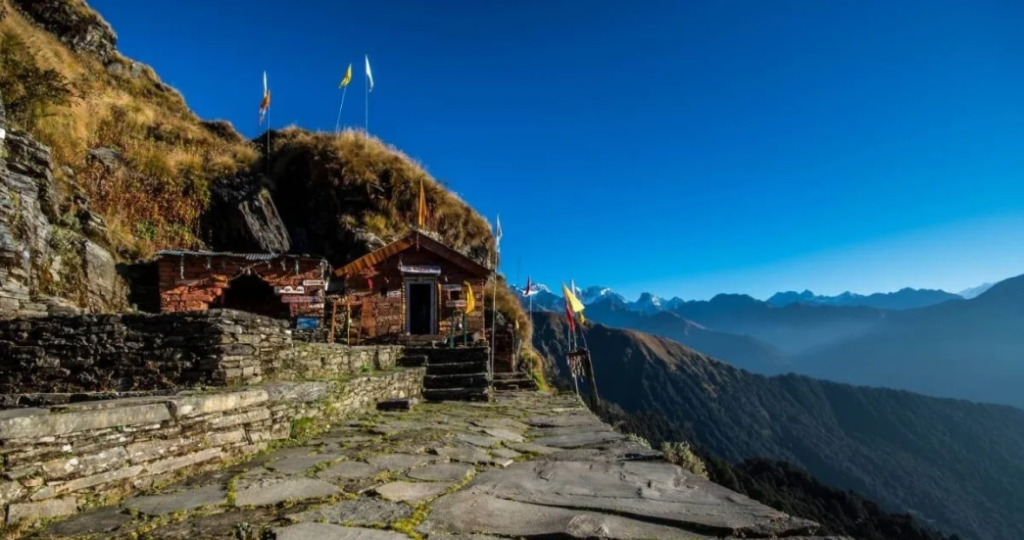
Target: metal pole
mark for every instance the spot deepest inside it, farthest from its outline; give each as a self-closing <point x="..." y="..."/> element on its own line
<point x="337" y="125"/>
<point x="588" y="366"/>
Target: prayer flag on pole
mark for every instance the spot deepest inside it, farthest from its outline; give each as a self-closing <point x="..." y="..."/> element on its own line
<point x="369" y="74"/>
<point x="571" y="300"/>
<point x="348" y="77"/>
<point x="265" y="104"/>
<point x="497" y="235"/>
<point x="568" y="316"/>
<point x="470" y="299"/>
<point x="529" y="286"/>
<point x="421" y="210"/>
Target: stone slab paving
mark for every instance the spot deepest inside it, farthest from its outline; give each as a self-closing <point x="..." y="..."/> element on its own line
<point x="327" y="531"/>
<point x="444" y="472"/>
<point x="411" y="492"/>
<point x="300" y="464"/>
<point x="401" y="462"/>
<point x="268" y="491"/>
<point x="158" y="505"/>
<point x="362" y="512"/>
<point x="527" y="465"/>
<point x="348" y="470"/>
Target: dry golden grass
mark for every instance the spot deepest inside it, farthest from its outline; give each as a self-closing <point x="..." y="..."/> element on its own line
<point x="169" y="159"/>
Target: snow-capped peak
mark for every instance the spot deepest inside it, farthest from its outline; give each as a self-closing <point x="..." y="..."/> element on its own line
<point x="595" y="293"/>
<point x="975" y="292"/>
<point x="647" y="303"/>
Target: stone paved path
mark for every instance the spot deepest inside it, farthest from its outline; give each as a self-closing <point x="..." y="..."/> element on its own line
<point x="527" y="465"/>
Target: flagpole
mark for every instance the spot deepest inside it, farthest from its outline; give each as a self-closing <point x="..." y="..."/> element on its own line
<point x="267" y="159"/>
<point x="337" y="125"/>
<point x="367" y="101"/>
<point x="494" y="310"/>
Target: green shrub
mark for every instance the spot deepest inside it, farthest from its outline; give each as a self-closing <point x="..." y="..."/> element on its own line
<point x="681" y="454"/>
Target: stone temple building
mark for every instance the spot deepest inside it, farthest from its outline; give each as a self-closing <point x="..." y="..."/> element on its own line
<point x="415" y="287"/>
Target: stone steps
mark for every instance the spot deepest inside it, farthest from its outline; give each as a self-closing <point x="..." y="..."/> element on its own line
<point x="455" y="374"/>
<point x="514" y="381"/>
<point x="458" y="380"/>
<point x="457" y="394"/>
<point x="452" y="368"/>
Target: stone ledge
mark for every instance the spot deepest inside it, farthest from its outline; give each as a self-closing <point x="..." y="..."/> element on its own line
<point x="60" y="457"/>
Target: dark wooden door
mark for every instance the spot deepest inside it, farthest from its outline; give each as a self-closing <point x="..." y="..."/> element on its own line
<point x="420" y="308"/>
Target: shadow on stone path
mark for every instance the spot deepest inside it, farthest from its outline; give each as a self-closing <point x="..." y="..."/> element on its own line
<point x="528" y="465"/>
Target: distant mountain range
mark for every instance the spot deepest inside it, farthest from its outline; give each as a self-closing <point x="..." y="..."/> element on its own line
<point x="906" y="298"/>
<point x="954" y="464"/>
<point x="960" y="348"/>
<point x="903" y="299"/>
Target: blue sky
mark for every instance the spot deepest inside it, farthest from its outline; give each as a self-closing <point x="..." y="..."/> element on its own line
<point x="686" y="148"/>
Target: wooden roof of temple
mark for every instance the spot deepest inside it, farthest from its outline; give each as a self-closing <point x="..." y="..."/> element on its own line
<point x="411" y="239"/>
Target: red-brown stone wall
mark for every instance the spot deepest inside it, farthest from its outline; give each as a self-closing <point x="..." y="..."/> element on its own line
<point x="189" y="285"/>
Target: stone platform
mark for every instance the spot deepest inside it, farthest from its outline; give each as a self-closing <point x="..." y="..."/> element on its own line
<point x="527" y="465"/>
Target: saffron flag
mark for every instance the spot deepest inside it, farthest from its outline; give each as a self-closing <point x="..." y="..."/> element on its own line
<point x="571" y="300"/>
<point x="421" y="217"/>
<point x="348" y="77"/>
<point x="369" y="74"/>
<point x="470" y="299"/>
<point x="265" y="104"/>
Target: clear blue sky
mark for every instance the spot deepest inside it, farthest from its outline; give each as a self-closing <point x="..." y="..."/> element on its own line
<point x="682" y="147"/>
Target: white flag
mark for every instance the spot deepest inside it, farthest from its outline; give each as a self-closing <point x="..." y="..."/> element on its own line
<point x="264" y="83"/>
<point x="369" y="74"/>
<point x="497" y="235"/>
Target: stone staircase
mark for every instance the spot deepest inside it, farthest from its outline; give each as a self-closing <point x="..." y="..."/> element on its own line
<point x="453" y="374"/>
<point x="514" y="381"/>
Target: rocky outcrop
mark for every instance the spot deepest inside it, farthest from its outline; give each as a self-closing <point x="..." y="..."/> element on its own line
<point x="25" y="231"/>
<point x="51" y="259"/>
<point x="77" y="26"/>
<point x="243" y="217"/>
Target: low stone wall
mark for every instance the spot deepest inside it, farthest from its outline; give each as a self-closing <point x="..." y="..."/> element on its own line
<point x="60" y="460"/>
<point x="130" y="352"/>
<point x="320" y="360"/>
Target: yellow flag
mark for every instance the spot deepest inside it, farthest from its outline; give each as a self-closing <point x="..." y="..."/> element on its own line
<point x="348" y="77"/>
<point x="470" y="299"/>
<point x="575" y="305"/>
<point x="421" y="217"/>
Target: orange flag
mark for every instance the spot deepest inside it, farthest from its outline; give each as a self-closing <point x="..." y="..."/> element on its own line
<point x="421" y="218"/>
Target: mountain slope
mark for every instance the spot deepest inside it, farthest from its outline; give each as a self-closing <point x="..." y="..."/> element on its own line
<point x="741" y="351"/>
<point x="970" y="349"/>
<point x="793" y="328"/>
<point x="954" y="463"/>
<point x="905" y="298"/>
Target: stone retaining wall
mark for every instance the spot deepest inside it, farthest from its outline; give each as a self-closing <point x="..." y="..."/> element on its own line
<point x="60" y="460"/>
<point x="319" y="360"/>
<point x="131" y="352"/>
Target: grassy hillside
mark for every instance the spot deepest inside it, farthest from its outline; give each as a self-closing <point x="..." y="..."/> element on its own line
<point x="153" y="194"/>
<point x="954" y="464"/>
